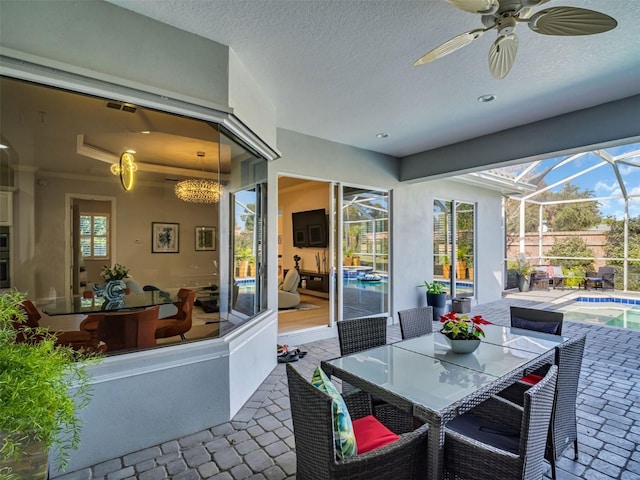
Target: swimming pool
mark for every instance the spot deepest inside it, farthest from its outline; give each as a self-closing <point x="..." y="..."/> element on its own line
<point x="611" y="312"/>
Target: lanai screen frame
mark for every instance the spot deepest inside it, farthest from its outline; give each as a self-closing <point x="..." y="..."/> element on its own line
<point x="525" y="192"/>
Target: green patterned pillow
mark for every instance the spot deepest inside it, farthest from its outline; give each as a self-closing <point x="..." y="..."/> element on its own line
<point x="342" y="427"/>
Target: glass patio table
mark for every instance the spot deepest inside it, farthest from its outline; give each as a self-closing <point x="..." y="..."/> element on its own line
<point x="423" y="376"/>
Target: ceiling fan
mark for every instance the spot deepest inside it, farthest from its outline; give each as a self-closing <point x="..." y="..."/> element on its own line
<point x="504" y="15"/>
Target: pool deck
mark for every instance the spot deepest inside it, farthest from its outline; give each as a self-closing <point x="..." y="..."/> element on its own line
<point x="259" y="445"/>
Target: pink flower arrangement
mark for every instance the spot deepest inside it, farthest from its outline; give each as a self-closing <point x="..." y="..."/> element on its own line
<point x="461" y="327"/>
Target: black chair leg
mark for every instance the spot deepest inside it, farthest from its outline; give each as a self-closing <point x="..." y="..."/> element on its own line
<point x="575" y="446"/>
<point x="553" y="469"/>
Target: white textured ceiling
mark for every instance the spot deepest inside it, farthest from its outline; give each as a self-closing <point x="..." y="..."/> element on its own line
<point x="342" y="69"/>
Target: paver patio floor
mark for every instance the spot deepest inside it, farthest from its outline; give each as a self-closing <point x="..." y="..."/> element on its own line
<point x="259" y="443"/>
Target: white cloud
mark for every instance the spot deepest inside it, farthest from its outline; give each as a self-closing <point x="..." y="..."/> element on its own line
<point x="603" y="188"/>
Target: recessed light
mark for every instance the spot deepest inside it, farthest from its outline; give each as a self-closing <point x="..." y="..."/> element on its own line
<point x="131" y="151"/>
<point x="382" y="135"/>
<point x="490" y="97"/>
<point x="145" y="132"/>
<point x="3" y="146"/>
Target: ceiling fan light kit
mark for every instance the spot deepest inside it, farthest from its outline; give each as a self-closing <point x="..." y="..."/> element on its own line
<point x="504" y="15"/>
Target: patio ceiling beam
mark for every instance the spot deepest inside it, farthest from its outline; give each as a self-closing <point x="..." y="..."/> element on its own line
<point x="614" y="164"/>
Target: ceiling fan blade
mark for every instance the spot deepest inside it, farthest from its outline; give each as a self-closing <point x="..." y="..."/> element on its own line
<point x="524" y="13"/>
<point x="484" y="7"/>
<point x="532" y="3"/>
<point x="502" y="55"/>
<point x="570" y="21"/>
<point x="449" y="46"/>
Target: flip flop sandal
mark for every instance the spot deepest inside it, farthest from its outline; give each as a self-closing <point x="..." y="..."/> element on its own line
<point x="289" y="357"/>
<point x="301" y="354"/>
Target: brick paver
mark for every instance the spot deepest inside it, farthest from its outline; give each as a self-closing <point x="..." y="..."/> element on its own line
<point x="258" y="443"/>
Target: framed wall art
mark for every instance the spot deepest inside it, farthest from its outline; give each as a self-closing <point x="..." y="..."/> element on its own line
<point x="165" y="237"/>
<point x="205" y="238"/>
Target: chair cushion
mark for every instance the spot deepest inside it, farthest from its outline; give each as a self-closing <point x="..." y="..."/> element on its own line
<point x="344" y="436"/>
<point x="371" y="434"/>
<point x="544" y="327"/>
<point x="531" y="378"/>
<point x="486" y="432"/>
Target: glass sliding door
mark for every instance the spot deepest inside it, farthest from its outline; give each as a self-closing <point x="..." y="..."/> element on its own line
<point x="364" y="235"/>
<point x="465" y="248"/>
<point x="454" y="246"/>
<point x="248" y="294"/>
<point x="442" y="242"/>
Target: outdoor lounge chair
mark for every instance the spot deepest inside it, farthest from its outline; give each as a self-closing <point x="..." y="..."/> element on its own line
<point x="499" y="439"/>
<point x="603" y="279"/>
<point x="415" y="322"/>
<point x="313" y="430"/>
<point x="563" y="429"/>
<point x="540" y="279"/>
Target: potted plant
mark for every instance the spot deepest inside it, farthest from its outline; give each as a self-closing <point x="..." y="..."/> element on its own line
<point x="523" y="272"/>
<point x="42" y="387"/>
<point x="243" y="255"/>
<point x="114" y="286"/>
<point x="252" y="266"/>
<point x="436" y="297"/>
<point x="461" y="263"/>
<point x="348" y="257"/>
<point x="446" y="267"/>
<point x="462" y="333"/>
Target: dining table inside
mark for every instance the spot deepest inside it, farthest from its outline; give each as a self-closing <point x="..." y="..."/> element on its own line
<point x="97" y="304"/>
<point x="423" y="376"/>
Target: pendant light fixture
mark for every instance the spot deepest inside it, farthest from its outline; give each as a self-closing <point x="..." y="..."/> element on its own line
<point x="200" y="190"/>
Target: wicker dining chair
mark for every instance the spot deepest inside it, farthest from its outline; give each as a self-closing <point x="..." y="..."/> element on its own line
<point x="563" y="430"/>
<point x="359" y="334"/>
<point x="415" y="322"/>
<point x="499" y="439"/>
<point x="356" y="335"/>
<point x="311" y="413"/>
<point x="545" y="321"/>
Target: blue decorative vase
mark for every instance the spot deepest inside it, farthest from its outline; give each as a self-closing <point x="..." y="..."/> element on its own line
<point x="113" y="290"/>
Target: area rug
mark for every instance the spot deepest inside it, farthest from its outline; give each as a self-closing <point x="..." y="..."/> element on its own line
<point x="299" y="307"/>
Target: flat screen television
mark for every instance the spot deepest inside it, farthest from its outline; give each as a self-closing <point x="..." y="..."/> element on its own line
<point x="310" y="229"/>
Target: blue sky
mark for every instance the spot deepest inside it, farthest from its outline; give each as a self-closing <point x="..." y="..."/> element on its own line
<point x="602" y="181"/>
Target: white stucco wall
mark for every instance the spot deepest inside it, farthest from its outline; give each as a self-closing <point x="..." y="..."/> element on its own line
<point x="103" y="41"/>
<point x="249" y="101"/>
<point x="412" y="212"/>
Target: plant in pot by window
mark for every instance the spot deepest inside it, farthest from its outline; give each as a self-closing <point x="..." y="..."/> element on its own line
<point x="523" y="272"/>
<point x="243" y="255"/>
<point x="436" y="297"/>
<point x="446" y="267"/>
<point x="348" y="257"/>
<point x="42" y="387"/>
<point x="461" y="262"/>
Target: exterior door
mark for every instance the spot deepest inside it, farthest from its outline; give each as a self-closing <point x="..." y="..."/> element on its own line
<point x="363" y="243"/>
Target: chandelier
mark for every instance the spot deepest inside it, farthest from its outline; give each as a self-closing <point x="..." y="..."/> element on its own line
<point x="200" y="190"/>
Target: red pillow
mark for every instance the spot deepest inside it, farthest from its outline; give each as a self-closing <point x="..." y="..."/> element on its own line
<point x="531" y="378"/>
<point x="371" y="434"/>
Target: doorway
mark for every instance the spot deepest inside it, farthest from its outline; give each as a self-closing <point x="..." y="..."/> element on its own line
<point x="346" y="276"/>
<point x="304" y="240"/>
<point x="89" y="243"/>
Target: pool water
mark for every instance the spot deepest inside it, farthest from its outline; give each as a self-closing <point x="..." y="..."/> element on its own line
<point x="611" y="314"/>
